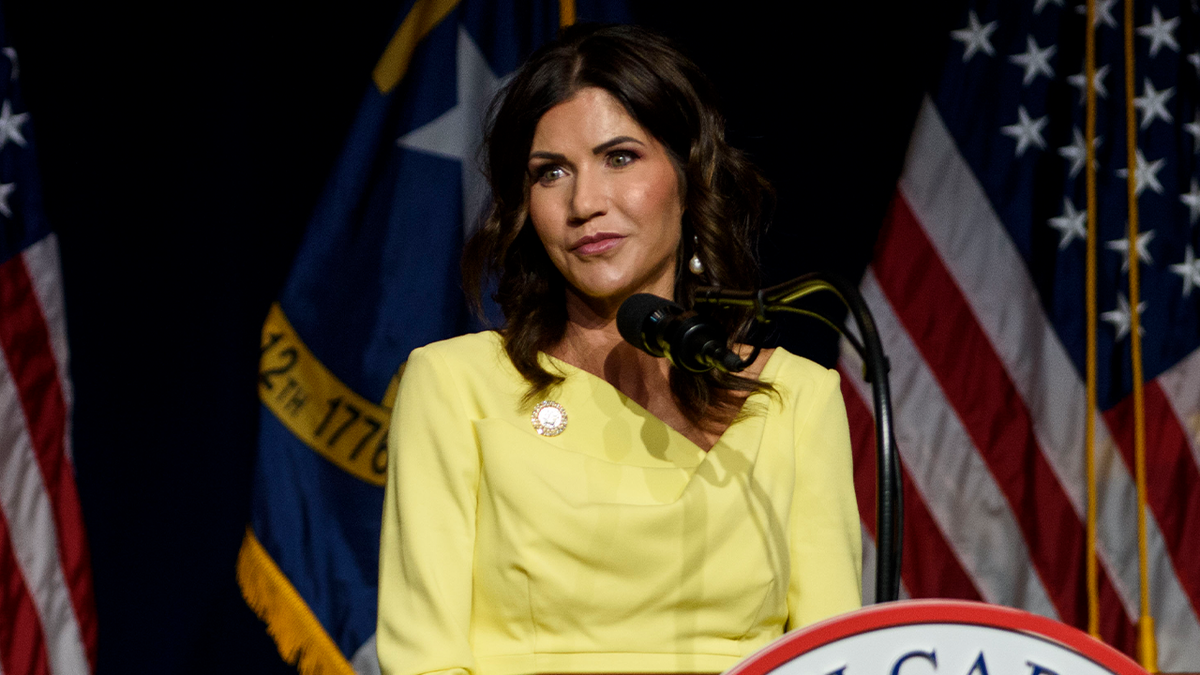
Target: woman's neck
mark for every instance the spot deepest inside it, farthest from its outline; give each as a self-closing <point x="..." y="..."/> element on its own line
<point x="592" y="343"/>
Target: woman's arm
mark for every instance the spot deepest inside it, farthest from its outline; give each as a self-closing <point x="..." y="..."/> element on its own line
<point x="826" y="569"/>
<point x="428" y="537"/>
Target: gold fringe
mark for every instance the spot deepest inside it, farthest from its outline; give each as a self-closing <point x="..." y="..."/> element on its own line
<point x="424" y="16"/>
<point x="301" y="639"/>
<point x="566" y="13"/>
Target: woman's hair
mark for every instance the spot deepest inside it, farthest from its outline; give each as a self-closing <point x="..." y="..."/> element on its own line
<point x="724" y="197"/>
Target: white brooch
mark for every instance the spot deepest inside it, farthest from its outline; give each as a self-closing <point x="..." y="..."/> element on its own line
<point x="549" y="418"/>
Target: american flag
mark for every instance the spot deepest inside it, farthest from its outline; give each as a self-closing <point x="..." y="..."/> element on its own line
<point x="978" y="287"/>
<point x="47" y="615"/>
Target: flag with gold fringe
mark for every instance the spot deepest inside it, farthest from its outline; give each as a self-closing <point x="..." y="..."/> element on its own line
<point x="48" y="620"/>
<point x="1035" y="282"/>
<point x="375" y="277"/>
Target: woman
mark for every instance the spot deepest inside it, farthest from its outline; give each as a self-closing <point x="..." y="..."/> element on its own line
<point x="561" y="502"/>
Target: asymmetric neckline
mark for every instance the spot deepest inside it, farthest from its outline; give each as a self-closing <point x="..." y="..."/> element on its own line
<point x="737" y="431"/>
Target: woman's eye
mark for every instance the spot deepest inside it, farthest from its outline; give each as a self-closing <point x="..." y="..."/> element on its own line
<point x="549" y="173"/>
<point x="620" y="158"/>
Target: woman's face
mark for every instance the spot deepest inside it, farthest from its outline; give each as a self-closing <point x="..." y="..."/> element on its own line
<point x="604" y="199"/>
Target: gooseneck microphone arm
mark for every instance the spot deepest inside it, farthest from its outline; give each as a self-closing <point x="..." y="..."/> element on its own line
<point x="889" y="501"/>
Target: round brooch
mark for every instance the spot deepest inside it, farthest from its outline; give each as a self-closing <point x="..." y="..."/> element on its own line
<point x="549" y="418"/>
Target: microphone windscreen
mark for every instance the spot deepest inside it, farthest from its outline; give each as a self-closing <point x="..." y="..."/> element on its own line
<point x="632" y="315"/>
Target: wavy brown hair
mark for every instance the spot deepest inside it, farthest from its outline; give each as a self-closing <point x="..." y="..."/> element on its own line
<point x="724" y="198"/>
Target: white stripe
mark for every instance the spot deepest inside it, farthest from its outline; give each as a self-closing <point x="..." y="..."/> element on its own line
<point x="954" y="482"/>
<point x="868" y="567"/>
<point x="30" y="518"/>
<point x="952" y="207"/>
<point x="1181" y="385"/>
<point x="1179" y="648"/>
<point x="42" y="261"/>
<point x="366" y="659"/>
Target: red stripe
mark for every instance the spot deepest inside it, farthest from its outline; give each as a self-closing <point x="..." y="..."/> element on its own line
<point x="933" y="310"/>
<point x="928" y="564"/>
<point x="862" y="444"/>
<point x="25" y="341"/>
<point x="22" y="644"/>
<point x="1172" y="481"/>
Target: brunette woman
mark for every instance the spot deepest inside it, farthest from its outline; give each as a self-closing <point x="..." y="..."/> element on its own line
<point x="560" y="502"/>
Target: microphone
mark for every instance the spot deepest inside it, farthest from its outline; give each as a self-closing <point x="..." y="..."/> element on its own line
<point x="690" y="341"/>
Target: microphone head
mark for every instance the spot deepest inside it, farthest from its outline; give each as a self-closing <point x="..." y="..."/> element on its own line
<point x="637" y="316"/>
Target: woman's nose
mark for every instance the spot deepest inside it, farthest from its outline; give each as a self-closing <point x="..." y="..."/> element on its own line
<point x="589" y="197"/>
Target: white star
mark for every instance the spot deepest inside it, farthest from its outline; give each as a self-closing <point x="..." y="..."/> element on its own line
<point x="1192" y="199"/>
<point x="1103" y="13"/>
<point x="458" y="133"/>
<point x="1120" y="317"/>
<point x="1193" y="128"/>
<point x="975" y="37"/>
<point x="1041" y="4"/>
<point x="12" y="57"/>
<point x="1145" y="174"/>
<point x="1194" y="59"/>
<point x="1143" y="248"/>
<point x="1071" y="224"/>
<point x="1160" y="32"/>
<point x="6" y="189"/>
<point x="1188" y="270"/>
<point x="10" y="125"/>
<point x="1034" y="60"/>
<point x="1079" y="81"/>
<point x="1153" y="103"/>
<point x="1027" y="131"/>
<point x="1076" y="152"/>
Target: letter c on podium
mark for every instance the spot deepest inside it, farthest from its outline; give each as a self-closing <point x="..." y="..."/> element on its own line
<point x="928" y="656"/>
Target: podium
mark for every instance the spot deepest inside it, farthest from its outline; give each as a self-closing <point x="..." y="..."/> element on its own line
<point x="938" y="637"/>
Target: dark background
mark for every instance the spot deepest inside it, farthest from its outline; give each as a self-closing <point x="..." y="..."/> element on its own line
<point x="182" y="148"/>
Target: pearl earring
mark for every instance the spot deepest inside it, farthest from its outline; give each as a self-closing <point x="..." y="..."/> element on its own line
<point x="695" y="265"/>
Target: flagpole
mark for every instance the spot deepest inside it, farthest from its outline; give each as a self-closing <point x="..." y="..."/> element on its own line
<point x="1093" y="581"/>
<point x="1146" y="644"/>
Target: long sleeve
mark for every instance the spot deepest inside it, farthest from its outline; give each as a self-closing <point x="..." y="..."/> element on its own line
<point x="826" y="568"/>
<point x="428" y="536"/>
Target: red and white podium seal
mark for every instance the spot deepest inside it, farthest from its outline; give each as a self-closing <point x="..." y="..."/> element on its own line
<point x="938" y="637"/>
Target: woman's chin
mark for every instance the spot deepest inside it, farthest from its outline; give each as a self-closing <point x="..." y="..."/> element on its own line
<point x="616" y="288"/>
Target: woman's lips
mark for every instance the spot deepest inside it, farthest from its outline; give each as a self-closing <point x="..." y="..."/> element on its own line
<point x="596" y="243"/>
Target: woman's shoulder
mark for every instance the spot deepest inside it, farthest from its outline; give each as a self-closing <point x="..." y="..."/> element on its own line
<point x="784" y="365"/>
<point x="468" y="356"/>
<point x="473" y="366"/>
<point x="465" y="346"/>
<point x="797" y="378"/>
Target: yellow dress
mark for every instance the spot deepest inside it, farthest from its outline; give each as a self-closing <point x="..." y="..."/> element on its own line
<point x="616" y="546"/>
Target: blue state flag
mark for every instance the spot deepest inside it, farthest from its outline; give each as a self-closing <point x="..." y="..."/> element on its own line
<point x="376" y="276"/>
